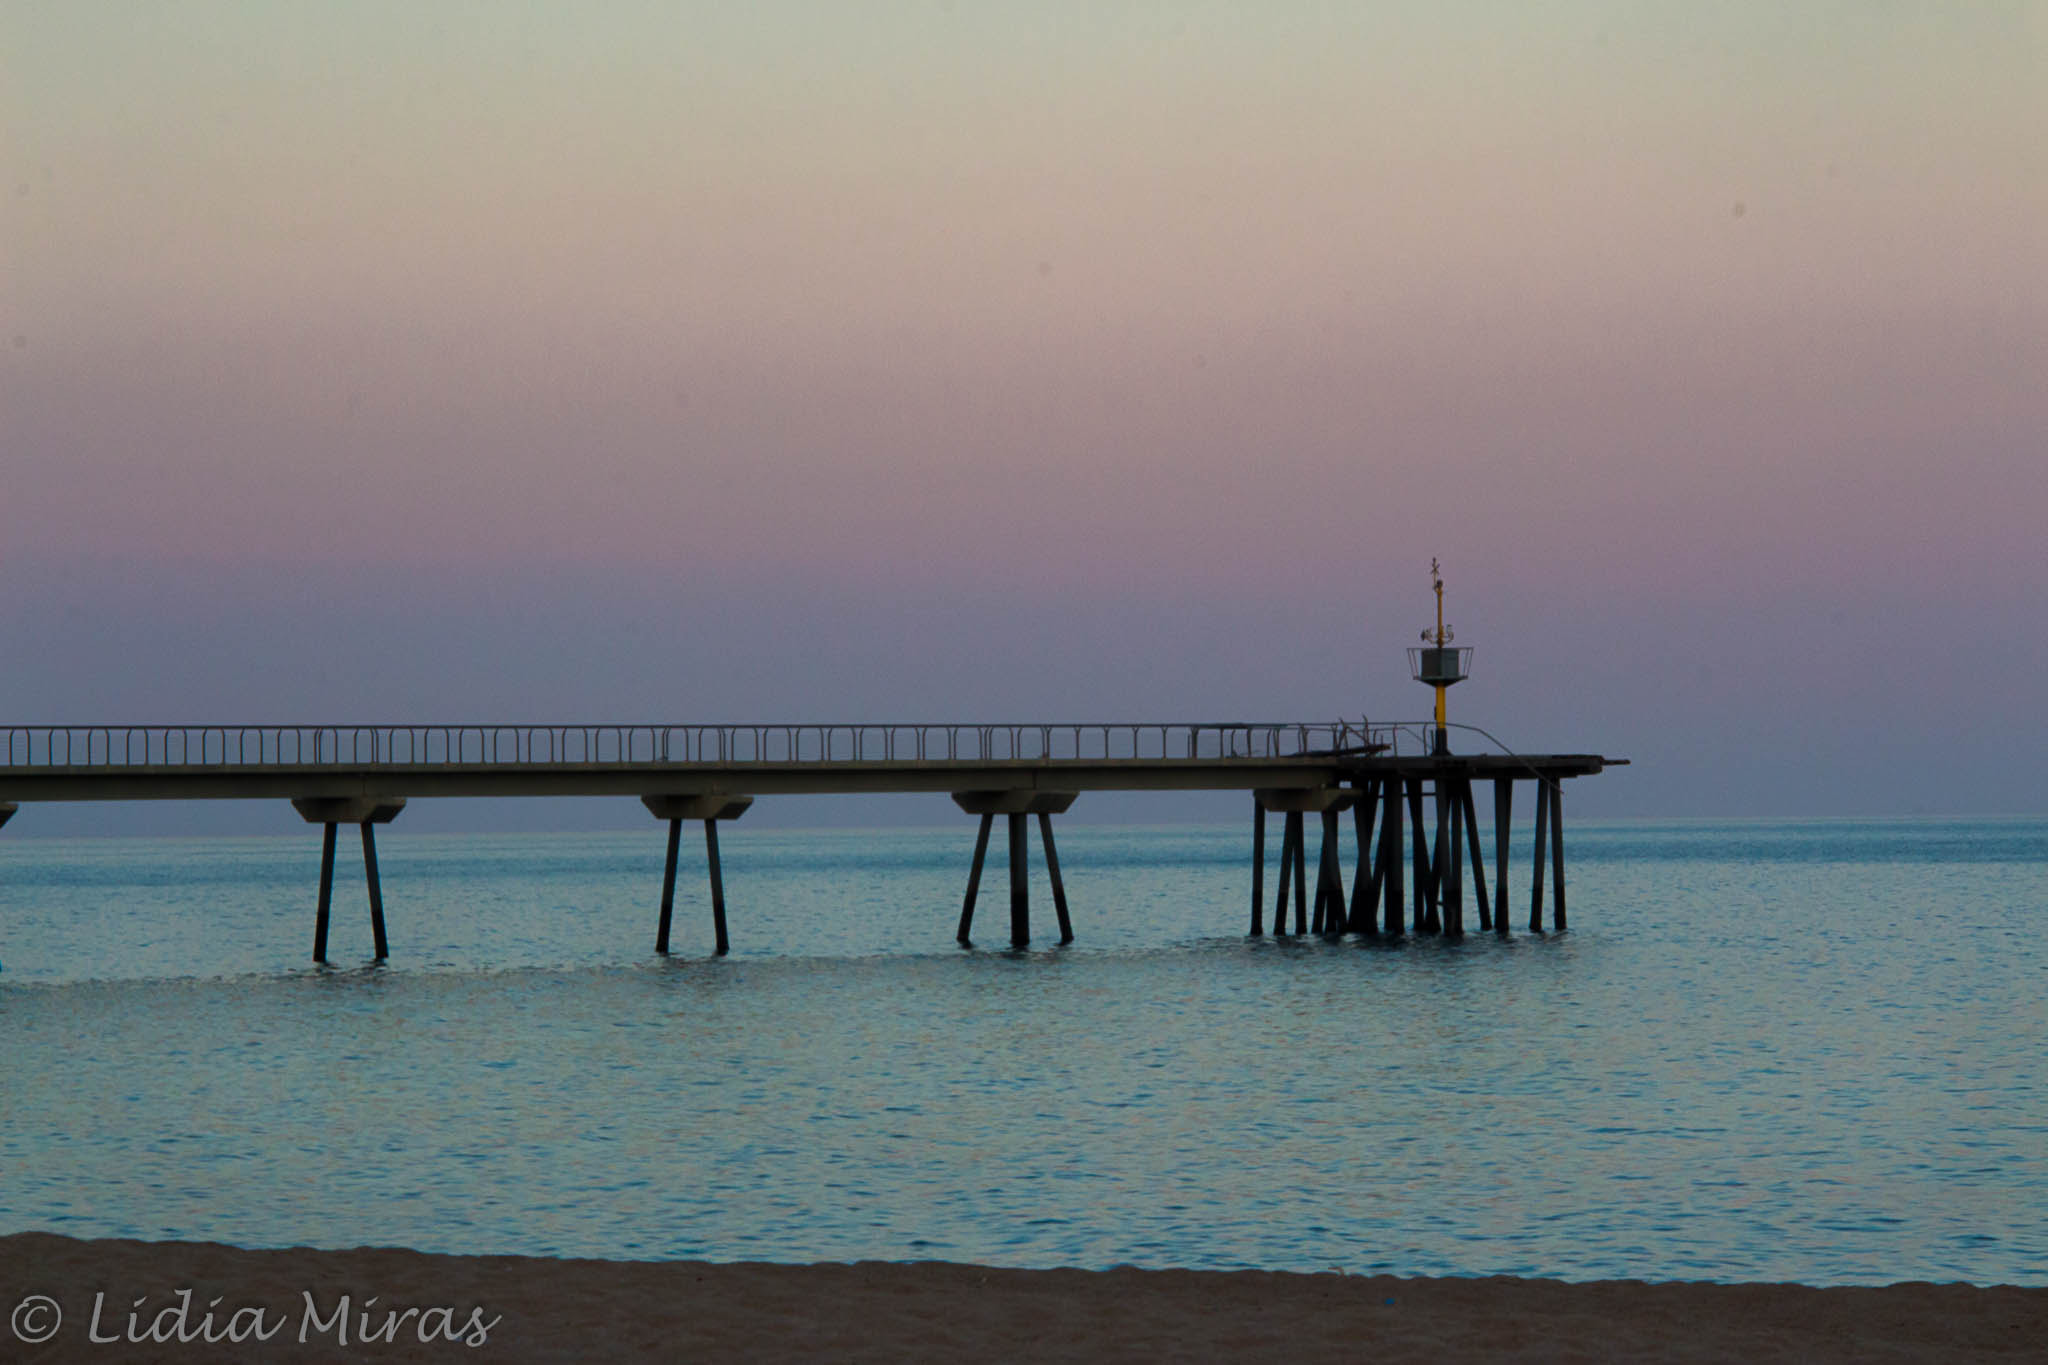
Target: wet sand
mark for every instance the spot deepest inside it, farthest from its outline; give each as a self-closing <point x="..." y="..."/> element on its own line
<point x="551" y="1310"/>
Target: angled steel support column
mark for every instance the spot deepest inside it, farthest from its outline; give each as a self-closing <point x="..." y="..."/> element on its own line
<point x="1287" y="832"/>
<point x="1425" y="892"/>
<point x="1360" y="918"/>
<point x="1451" y="856"/>
<point x="376" y="890"/>
<point x="1258" y="866"/>
<point x="326" y="893"/>
<point x="1052" y="870"/>
<point x="668" y="886"/>
<point x="1503" y="807"/>
<point x="1479" y="897"/>
<point x="1330" y="881"/>
<point x="1392" y="856"/>
<point x="1557" y="850"/>
<point x="721" y="945"/>
<point x="1300" y="872"/>
<point x="974" y="877"/>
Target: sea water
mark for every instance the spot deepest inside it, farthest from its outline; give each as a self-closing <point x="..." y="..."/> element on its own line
<point x="1802" y="1051"/>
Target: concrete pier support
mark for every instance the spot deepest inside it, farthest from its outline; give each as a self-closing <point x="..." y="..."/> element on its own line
<point x="331" y="812"/>
<point x="1536" y="881"/>
<point x="710" y="808"/>
<point x="1018" y="806"/>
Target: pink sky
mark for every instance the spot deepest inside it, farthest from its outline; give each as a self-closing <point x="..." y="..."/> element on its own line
<point x="1683" y="339"/>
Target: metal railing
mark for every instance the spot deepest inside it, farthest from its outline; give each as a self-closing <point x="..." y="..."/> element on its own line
<point x="1417" y="738"/>
<point x="44" y="747"/>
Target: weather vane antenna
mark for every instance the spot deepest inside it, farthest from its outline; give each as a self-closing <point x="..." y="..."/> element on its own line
<point x="1437" y="664"/>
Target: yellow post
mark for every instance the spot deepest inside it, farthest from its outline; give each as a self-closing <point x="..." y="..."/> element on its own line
<point x="1436" y="577"/>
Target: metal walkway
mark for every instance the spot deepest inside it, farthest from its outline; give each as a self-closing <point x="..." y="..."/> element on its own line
<point x="185" y="762"/>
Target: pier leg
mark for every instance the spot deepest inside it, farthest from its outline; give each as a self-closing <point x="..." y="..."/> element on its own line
<point x="1258" y="867"/>
<point x="1052" y="868"/>
<point x="1451" y="845"/>
<point x="1536" y="882"/>
<point x="1557" y="852"/>
<point x="974" y="879"/>
<point x="1287" y="870"/>
<point x="1333" y="877"/>
<point x="1287" y="829"/>
<point x="1479" y="900"/>
<point x="1391" y="855"/>
<point x="668" y="886"/>
<point x="330" y="813"/>
<point x="1364" y="883"/>
<point x="326" y="893"/>
<point x="1320" y="909"/>
<point x="1020" y="886"/>
<point x="709" y="807"/>
<point x="717" y="886"/>
<point x="376" y="890"/>
<point x="1333" y="922"/>
<point x="1300" y="873"/>
<point x="1503" y="807"/>
<point x="1425" y="893"/>
<point x="1319" y="913"/>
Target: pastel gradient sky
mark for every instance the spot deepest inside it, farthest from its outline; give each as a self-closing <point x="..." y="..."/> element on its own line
<point x="949" y="360"/>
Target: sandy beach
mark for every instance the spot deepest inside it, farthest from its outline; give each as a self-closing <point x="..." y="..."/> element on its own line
<point x="534" y="1309"/>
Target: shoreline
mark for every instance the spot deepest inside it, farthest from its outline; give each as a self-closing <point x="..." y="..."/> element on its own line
<point x="548" y="1310"/>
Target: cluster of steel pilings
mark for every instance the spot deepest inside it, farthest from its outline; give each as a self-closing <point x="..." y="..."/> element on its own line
<point x="1398" y="846"/>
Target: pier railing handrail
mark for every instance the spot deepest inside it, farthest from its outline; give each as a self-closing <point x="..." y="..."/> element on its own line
<point x="47" y="747"/>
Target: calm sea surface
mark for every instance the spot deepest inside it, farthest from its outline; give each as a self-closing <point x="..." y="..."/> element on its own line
<point x="1803" y="1051"/>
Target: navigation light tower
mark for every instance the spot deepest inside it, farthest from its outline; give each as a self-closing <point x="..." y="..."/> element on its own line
<point x="1435" y="663"/>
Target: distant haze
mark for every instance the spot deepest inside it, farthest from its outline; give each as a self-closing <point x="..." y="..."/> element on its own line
<point x="401" y="362"/>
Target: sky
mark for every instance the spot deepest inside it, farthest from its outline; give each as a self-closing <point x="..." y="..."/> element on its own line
<point x="389" y="362"/>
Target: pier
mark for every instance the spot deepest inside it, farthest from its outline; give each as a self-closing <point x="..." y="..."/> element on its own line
<point x="1388" y="777"/>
